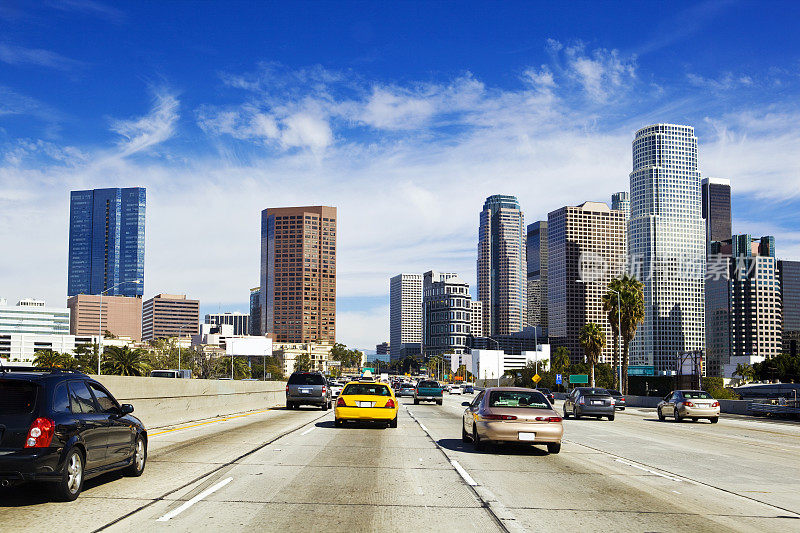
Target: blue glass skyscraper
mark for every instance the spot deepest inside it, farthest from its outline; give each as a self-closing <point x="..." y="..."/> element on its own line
<point x="106" y="242"/>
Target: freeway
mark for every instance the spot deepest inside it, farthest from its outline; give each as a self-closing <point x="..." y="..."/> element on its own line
<point x="293" y="470"/>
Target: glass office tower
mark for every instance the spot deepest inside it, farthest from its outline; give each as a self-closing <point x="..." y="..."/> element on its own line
<point x="667" y="244"/>
<point x="106" y="242"/>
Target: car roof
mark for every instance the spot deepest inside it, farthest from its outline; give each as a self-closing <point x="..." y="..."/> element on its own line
<point x="521" y="389"/>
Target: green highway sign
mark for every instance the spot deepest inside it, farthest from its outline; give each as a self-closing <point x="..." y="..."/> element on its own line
<point x="579" y="379"/>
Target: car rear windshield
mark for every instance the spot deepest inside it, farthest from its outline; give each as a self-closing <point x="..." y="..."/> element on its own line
<point x="407" y="386"/>
<point x="366" y="389"/>
<point x="534" y="400"/>
<point x="697" y="395"/>
<point x="306" y="379"/>
<point x="428" y="385"/>
<point x="17" y="397"/>
<point x="614" y="392"/>
<point x="595" y="392"/>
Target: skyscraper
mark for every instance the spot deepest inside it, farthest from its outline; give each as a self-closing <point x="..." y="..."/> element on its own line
<point x="667" y="244"/>
<point x="447" y="314"/>
<point x="716" y="208"/>
<point x="170" y="315"/>
<point x="255" y="311"/>
<point x="536" y="255"/>
<point x="298" y="273"/>
<point x="586" y="247"/>
<point x="621" y="201"/>
<point x="789" y="275"/>
<point x="106" y="242"/>
<point x="405" y="314"/>
<point x="502" y="269"/>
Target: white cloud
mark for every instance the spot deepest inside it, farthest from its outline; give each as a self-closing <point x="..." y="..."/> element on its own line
<point x="19" y="55"/>
<point x="362" y="328"/>
<point x="154" y="128"/>
<point x="601" y="73"/>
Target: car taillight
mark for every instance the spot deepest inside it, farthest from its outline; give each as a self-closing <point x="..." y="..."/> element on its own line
<point x="687" y="403"/>
<point x="613" y="401"/>
<point x="499" y="417"/>
<point x="287" y="388"/>
<point x="40" y="434"/>
<point x="340" y="402"/>
<point x="324" y="390"/>
<point x="548" y="419"/>
<point x="389" y="404"/>
<point x="715" y="404"/>
<point x="581" y="402"/>
<point x="622" y="399"/>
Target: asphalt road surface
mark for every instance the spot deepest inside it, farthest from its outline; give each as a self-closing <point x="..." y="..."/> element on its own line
<point x="281" y="470"/>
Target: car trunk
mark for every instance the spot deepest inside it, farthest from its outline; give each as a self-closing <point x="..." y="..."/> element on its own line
<point x="597" y="400"/>
<point x="524" y="415"/>
<point x="17" y="408"/>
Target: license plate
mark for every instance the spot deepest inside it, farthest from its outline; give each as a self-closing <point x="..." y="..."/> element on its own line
<point x="524" y="435"/>
<point x="305" y="391"/>
<point x="365" y="404"/>
<point x="597" y="402"/>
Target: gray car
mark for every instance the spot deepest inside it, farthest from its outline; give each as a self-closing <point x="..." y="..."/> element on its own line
<point x="308" y="388"/>
<point x="589" y="401"/>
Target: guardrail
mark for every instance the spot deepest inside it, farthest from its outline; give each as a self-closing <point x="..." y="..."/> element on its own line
<point x="773" y="409"/>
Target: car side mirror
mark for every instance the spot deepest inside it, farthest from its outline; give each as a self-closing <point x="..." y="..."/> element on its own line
<point x="126" y="408"/>
<point x="465" y="404"/>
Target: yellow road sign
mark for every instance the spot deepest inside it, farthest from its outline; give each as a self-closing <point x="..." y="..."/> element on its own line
<point x="536" y="378"/>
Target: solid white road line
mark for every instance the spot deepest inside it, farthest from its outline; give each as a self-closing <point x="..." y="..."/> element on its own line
<point x="211" y="490"/>
<point x="463" y="473"/>
<point x="309" y="430"/>
<point x="648" y="470"/>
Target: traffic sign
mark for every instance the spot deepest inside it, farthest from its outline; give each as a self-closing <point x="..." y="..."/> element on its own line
<point x="558" y="379"/>
<point x="536" y="378"/>
<point x="579" y="378"/>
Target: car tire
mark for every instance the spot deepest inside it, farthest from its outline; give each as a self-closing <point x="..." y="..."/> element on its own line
<point x="621" y="408"/>
<point x="611" y="418"/>
<point x="136" y="467"/>
<point x="339" y="423"/>
<point x="575" y="413"/>
<point x="476" y="440"/>
<point x="553" y="447"/>
<point x="393" y="423"/>
<point x="439" y="402"/>
<point x="416" y="402"/>
<point x="325" y="406"/>
<point x="714" y="419"/>
<point x="566" y="413"/>
<point x="70" y="485"/>
<point x="677" y="415"/>
<point x="694" y="420"/>
<point x="464" y="434"/>
<point x="661" y="416"/>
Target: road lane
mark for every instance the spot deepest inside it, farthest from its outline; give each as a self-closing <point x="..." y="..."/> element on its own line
<point x="591" y="488"/>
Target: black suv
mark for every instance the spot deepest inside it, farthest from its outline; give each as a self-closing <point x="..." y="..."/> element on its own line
<point x="62" y="427"/>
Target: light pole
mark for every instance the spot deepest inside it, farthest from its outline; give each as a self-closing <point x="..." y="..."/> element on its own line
<point x="497" y="344"/>
<point x="100" y="332"/>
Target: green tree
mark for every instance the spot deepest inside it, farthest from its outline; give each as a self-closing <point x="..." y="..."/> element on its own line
<point x="86" y="357"/>
<point x="560" y="360"/>
<point x="222" y="367"/>
<point x="122" y="361"/>
<point x="632" y="306"/>
<point x="51" y="359"/>
<point x="745" y="371"/>
<point x="302" y="363"/>
<point x="593" y="340"/>
<point x="611" y="306"/>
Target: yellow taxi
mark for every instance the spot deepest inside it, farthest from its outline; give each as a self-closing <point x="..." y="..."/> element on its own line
<point x="367" y="401"/>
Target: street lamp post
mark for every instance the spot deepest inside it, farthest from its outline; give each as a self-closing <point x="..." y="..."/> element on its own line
<point x="100" y="320"/>
<point x="497" y="344"/>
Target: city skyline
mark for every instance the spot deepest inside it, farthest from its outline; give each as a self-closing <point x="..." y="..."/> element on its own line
<point x="539" y="113"/>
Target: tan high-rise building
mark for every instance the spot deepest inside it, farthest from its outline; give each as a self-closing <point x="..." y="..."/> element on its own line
<point x="121" y="315"/>
<point x="298" y="274"/>
<point x="586" y="250"/>
<point x="170" y="315"/>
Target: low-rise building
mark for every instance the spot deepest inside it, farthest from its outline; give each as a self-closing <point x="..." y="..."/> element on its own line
<point x="288" y="353"/>
<point x="121" y="315"/>
<point x="33" y="317"/>
<point x="492" y="364"/>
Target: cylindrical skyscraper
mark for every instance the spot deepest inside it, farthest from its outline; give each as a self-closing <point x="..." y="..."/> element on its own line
<point x="502" y="269"/>
<point x="666" y="242"/>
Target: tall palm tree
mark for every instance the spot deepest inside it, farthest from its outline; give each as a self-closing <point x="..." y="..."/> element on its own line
<point x="593" y="340"/>
<point x="51" y="359"/>
<point x="632" y="304"/>
<point x="560" y="359"/>
<point x="123" y="361"/>
<point x="611" y="301"/>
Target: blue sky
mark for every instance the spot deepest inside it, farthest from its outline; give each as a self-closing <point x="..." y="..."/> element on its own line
<point x="404" y="115"/>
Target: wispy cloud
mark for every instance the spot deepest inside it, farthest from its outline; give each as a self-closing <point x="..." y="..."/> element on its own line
<point x="18" y="55"/>
<point x="725" y="82"/>
<point x="90" y="7"/>
<point x="154" y="128"/>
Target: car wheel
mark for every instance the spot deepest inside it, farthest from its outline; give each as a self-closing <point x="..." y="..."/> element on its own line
<point x="464" y="434"/>
<point x="694" y="420"/>
<point x="677" y="415"/>
<point x="325" y="406"/>
<point x="139" y="458"/>
<point x="416" y="402"/>
<point x="661" y="416"/>
<point x="438" y="402"/>
<point x="339" y="423"/>
<point x="393" y="423"/>
<point x="476" y="440"/>
<point x="621" y="408"/>
<point x="610" y="418"/>
<point x="71" y="483"/>
<point x="575" y="413"/>
<point x="553" y="447"/>
<point x="714" y="419"/>
<point x="566" y="413"/>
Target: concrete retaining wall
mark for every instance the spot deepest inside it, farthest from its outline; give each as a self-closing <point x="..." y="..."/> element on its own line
<point x="737" y="407"/>
<point x="160" y="402"/>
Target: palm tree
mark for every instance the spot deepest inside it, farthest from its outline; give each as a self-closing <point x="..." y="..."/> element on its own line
<point x="123" y="361"/>
<point x="51" y="359"/>
<point x="302" y="363"/>
<point x="611" y="301"/>
<point x="745" y="372"/>
<point x="632" y="304"/>
<point x="560" y="359"/>
<point x="593" y="340"/>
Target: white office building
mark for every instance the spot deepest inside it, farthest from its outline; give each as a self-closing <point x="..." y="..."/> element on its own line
<point x="405" y="313"/>
<point x="666" y="242"/>
<point x="492" y="364"/>
<point x="33" y="316"/>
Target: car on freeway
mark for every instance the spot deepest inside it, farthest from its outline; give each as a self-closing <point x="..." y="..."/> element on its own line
<point x="469" y="389"/>
<point x="181" y="374"/>
<point x="511" y="414"/>
<point x="61" y="428"/>
<point x="619" y="399"/>
<point x="362" y="401"/>
<point x="547" y="394"/>
<point x="589" y="401"/>
<point x="428" y="391"/>
<point x="335" y="387"/>
<point x="691" y="404"/>
<point x="406" y="389"/>
<point x="456" y="389"/>
<point x="308" y="388"/>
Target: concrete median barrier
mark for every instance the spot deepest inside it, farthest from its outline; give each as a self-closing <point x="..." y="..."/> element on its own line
<point x="160" y="402"/>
